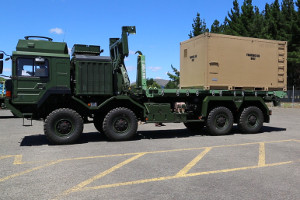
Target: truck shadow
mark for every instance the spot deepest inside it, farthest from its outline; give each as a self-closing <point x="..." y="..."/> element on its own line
<point x="184" y="133"/>
<point x="39" y="140"/>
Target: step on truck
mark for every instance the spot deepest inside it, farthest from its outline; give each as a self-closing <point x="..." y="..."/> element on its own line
<point x="68" y="92"/>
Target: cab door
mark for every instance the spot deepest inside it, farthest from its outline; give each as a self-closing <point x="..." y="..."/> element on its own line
<point x="30" y="79"/>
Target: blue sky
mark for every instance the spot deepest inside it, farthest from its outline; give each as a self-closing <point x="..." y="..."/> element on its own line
<point x="161" y="25"/>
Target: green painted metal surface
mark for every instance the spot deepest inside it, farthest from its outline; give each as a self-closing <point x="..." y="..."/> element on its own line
<point x="85" y="50"/>
<point x="141" y="83"/>
<point x="42" y="46"/>
<point x="161" y="112"/>
<point x="93" y="78"/>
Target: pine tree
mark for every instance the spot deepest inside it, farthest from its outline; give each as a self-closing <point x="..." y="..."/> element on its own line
<point x="247" y="19"/>
<point x="276" y="28"/>
<point x="151" y="83"/>
<point x="258" y="24"/>
<point x="294" y="51"/>
<point x="174" y="79"/>
<point x="199" y="27"/>
<point x="216" y="27"/>
<point x="233" y="22"/>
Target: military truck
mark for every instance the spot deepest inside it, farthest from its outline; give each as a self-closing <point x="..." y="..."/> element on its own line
<point x="90" y="88"/>
<point x="2" y="93"/>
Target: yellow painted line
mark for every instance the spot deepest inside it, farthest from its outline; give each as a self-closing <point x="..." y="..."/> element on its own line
<point x="18" y="160"/>
<point x="150" y="152"/>
<point x="183" y="176"/>
<point x="262" y="155"/>
<point x="189" y="166"/>
<point x="172" y="150"/>
<point x="102" y="174"/>
<point x="29" y="170"/>
<point x="7" y="156"/>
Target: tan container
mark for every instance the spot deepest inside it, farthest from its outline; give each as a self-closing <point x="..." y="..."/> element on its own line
<point x="216" y="61"/>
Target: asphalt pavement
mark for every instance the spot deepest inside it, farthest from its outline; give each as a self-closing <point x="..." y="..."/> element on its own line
<point x="167" y="162"/>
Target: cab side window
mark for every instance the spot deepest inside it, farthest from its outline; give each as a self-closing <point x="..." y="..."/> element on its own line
<point x="27" y="67"/>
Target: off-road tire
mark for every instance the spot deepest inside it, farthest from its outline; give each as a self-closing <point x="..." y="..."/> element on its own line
<point x="219" y="121"/>
<point x="251" y="120"/>
<point x="194" y="126"/>
<point x="63" y="126"/>
<point x="120" y="124"/>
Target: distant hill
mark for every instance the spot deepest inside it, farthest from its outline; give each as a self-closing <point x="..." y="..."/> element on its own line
<point x="161" y="82"/>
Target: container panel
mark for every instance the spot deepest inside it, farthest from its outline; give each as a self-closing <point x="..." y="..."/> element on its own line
<point x="234" y="63"/>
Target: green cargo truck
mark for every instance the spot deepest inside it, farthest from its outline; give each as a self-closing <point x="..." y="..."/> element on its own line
<point x="90" y="88"/>
<point x="2" y="93"/>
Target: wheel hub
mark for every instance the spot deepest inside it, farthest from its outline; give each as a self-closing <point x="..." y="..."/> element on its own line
<point x="252" y="120"/>
<point x="121" y="125"/>
<point x="221" y="121"/>
<point x="64" y="127"/>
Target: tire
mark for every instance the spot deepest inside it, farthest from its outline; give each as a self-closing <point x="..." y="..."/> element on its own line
<point x="251" y="120"/>
<point x="219" y="121"/>
<point x="63" y="126"/>
<point x="194" y="126"/>
<point x="120" y="124"/>
<point x="98" y="123"/>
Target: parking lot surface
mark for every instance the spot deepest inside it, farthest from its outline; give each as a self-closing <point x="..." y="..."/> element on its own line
<point x="166" y="162"/>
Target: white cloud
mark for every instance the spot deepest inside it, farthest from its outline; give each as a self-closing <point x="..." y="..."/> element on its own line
<point x="158" y="77"/>
<point x="6" y="70"/>
<point x="126" y="59"/>
<point x="57" y="31"/>
<point x="154" y="69"/>
<point x="131" y="52"/>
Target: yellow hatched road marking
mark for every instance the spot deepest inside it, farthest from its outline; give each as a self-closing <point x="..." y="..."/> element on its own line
<point x="29" y="170"/>
<point x="183" y="176"/>
<point x="262" y="155"/>
<point x="189" y="166"/>
<point x="18" y="158"/>
<point x="102" y="174"/>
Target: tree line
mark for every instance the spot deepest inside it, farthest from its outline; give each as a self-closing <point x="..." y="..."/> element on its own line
<point x="278" y="21"/>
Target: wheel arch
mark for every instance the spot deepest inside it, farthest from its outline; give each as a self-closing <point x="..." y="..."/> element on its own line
<point x="258" y="103"/>
<point x="125" y="102"/>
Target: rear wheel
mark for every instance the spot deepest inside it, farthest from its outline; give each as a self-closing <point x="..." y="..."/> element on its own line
<point x="120" y="124"/>
<point x="194" y="126"/>
<point x="63" y="126"/>
<point x="251" y="120"/>
<point x="219" y="121"/>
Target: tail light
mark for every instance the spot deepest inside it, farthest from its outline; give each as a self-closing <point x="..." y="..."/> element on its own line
<point x="8" y="94"/>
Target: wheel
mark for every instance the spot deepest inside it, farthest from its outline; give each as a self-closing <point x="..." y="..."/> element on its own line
<point x="194" y="126"/>
<point x="63" y="126"/>
<point x="98" y="123"/>
<point x="251" y="120"/>
<point x="219" y="121"/>
<point x="120" y="124"/>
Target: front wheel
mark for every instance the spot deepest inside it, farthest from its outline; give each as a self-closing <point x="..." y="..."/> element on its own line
<point x="251" y="120"/>
<point x="219" y="121"/>
<point x="120" y="124"/>
<point x="63" y="126"/>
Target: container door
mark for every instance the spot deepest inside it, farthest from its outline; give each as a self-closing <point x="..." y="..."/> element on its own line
<point x="31" y="76"/>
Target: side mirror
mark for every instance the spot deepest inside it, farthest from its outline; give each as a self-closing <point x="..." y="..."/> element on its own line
<point x="1" y="55"/>
<point x="1" y="66"/>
